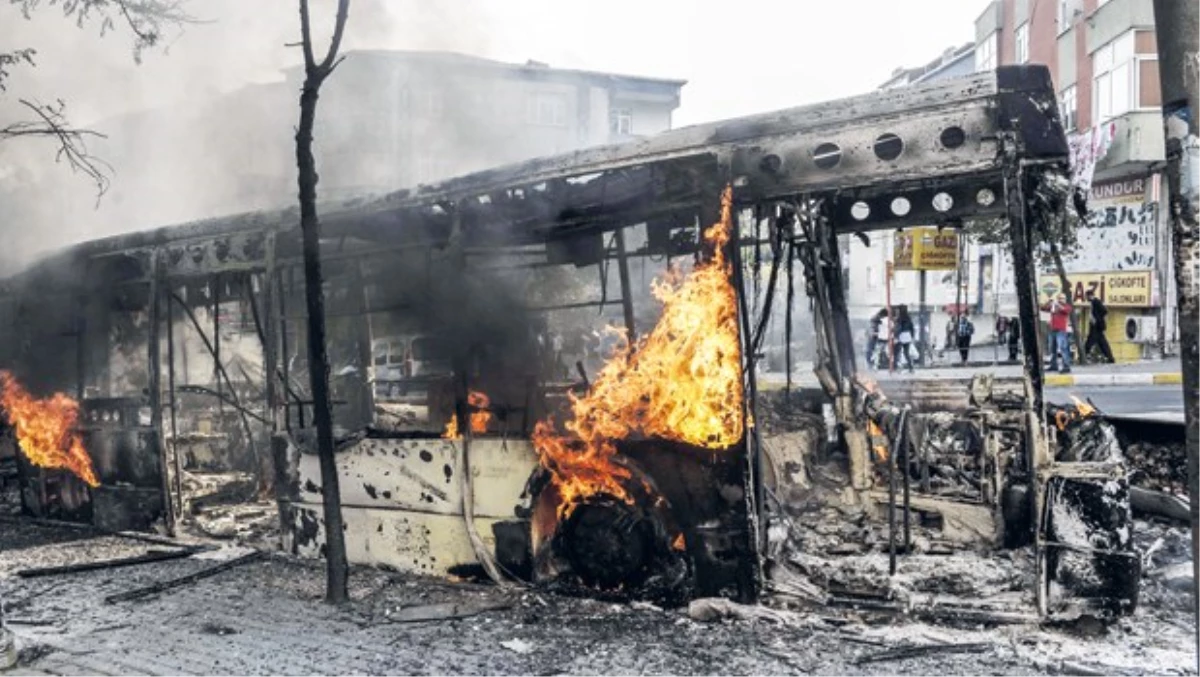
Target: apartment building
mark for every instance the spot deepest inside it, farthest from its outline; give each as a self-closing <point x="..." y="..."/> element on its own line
<point x="399" y="118"/>
<point x="386" y="120"/>
<point x="1103" y="57"/>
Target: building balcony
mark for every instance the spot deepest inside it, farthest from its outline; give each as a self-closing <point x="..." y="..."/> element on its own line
<point x="1114" y="18"/>
<point x="1137" y="143"/>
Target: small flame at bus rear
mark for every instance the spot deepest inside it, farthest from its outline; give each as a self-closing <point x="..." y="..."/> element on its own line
<point x="480" y="417"/>
<point x="46" y="429"/>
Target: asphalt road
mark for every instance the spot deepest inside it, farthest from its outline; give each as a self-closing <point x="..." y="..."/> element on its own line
<point x="1158" y="401"/>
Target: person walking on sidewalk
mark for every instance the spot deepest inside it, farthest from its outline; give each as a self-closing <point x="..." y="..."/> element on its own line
<point x="1014" y="338"/>
<point x="1096" y="327"/>
<point x="883" y="339"/>
<point x="873" y="336"/>
<point x="904" y="335"/>
<point x="963" y="332"/>
<point x="1060" y="342"/>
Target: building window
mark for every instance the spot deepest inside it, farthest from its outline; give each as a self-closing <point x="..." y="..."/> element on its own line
<point x="1067" y="9"/>
<point x="1022" y="38"/>
<point x="1070" y="108"/>
<point x="547" y="109"/>
<point x="1115" y="69"/>
<point x="985" y="52"/>
<point x="620" y="121"/>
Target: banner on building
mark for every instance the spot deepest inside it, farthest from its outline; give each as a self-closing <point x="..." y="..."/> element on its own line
<point x="1120" y="229"/>
<point x="1129" y="289"/>
<point x="1088" y="148"/>
<point x="926" y="248"/>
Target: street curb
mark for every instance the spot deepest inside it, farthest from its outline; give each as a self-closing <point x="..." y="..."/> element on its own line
<point x="1113" y="379"/>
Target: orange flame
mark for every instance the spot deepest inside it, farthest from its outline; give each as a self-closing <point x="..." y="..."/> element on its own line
<point x="681" y="382"/>
<point x="1083" y="408"/>
<point x="46" y="429"/>
<point x="876" y="433"/>
<point x="479" y="418"/>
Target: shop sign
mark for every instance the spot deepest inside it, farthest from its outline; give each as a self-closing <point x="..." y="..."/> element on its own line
<point x="1128" y="289"/>
<point x="926" y="248"/>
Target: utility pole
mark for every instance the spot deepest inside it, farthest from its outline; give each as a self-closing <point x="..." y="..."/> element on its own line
<point x="1179" y="77"/>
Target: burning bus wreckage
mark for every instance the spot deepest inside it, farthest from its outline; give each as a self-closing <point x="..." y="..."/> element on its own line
<point x="509" y="406"/>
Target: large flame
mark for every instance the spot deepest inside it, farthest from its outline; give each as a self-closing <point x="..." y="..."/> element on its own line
<point x="46" y="429"/>
<point x="479" y="417"/>
<point x="681" y="382"/>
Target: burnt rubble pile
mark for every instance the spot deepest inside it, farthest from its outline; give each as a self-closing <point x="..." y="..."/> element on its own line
<point x="945" y="458"/>
<point x="1084" y="436"/>
<point x="1158" y="466"/>
<point x="10" y="489"/>
<point x="1166" y="553"/>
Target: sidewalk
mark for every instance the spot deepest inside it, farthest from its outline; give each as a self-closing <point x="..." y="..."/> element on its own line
<point x="1146" y="372"/>
<point x="1166" y="372"/>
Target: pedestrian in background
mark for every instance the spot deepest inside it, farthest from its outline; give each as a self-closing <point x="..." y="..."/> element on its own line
<point x="1014" y="338"/>
<point x="883" y="338"/>
<point x="873" y="336"/>
<point x="1060" y="322"/>
<point x="904" y="335"/>
<point x="964" y="330"/>
<point x="1096" y="328"/>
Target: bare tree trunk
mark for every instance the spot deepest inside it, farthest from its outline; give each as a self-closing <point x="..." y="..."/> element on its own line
<point x="337" y="569"/>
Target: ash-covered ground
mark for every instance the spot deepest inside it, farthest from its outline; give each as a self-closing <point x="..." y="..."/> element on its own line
<point x="268" y="616"/>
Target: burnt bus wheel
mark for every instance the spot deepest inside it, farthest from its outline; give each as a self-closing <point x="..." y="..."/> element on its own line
<point x="609" y="543"/>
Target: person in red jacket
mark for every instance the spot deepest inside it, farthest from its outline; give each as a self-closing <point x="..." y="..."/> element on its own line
<point x="1060" y="322"/>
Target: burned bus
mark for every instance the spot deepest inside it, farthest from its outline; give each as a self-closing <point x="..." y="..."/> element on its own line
<point x="549" y="370"/>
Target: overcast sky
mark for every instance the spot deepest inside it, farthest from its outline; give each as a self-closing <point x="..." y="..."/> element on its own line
<point x="739" y="57"/>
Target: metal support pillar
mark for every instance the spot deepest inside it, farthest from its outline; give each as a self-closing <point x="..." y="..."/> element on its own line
<point x="838" y="343"/>
<point x="285" y="355"/>
<point x="154" y="373"/>
<point x="835" y="295"/>
<point x="626" y="289"/>
<point x="923" y="321"/>
<point x="1036" y="440"/>
<point x="268" y="474"/>
<point x="171" y="399"/>
<point x="215" y="281"/>
<point x="1025" y="280"/>
<point x="270" y="356"/>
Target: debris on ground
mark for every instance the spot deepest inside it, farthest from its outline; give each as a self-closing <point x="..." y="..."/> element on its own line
<point x="268" y="616"/>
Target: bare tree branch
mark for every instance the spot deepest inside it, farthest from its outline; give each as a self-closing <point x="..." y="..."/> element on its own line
<point x="306" y="37"/>
<point x="336" y="43"/>
<point x="148" y="20"/>
<point x="13" y="58"/>
<point x="51" y="122"/>
<point x="320" y="71"/>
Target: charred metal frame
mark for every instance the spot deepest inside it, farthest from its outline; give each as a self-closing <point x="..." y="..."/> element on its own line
<point x="869" y="163"/>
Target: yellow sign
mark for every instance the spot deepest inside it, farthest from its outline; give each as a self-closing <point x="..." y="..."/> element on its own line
<point x="1120" y="289"/>
<point x="926" y="248"/>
